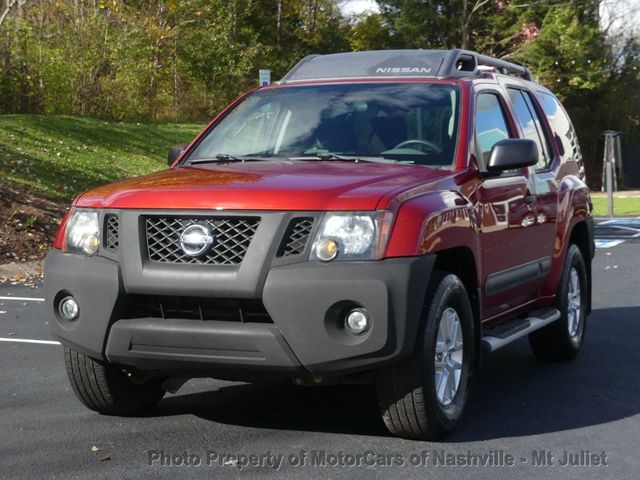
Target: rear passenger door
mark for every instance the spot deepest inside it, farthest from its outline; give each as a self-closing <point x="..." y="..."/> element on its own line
<point x="532" y="125"/>
<point x="512" y="274"/>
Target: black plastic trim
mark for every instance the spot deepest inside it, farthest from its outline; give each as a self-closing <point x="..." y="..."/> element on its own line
<point x="504" y="280"/>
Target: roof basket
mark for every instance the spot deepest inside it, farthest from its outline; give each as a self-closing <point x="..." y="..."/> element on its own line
<point x="393" y="63"/>
<point x="458" y="61"/>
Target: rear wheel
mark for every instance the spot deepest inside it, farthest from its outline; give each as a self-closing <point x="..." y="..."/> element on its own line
<point x="562" y="339"/>
<point x="108" y="389"/>
<point x="424" y="396"/>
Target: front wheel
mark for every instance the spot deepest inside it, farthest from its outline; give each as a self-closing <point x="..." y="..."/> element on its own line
<point x="424" y="396"/>
<point x="107" y="389"/>
<point x="562" y="339"/>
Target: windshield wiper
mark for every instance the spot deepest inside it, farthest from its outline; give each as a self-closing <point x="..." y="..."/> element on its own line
<point x="225" y="158"/>
<point x="334" y="156"/>
<point x="327" y="156"/>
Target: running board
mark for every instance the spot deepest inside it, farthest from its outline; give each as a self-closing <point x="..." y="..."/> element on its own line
<point x="511" y="331"/>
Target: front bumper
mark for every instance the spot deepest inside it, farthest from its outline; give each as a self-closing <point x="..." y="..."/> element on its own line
<point x="306" y="303"/>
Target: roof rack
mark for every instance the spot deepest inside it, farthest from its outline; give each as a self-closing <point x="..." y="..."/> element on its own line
<point x="390" y="63"/>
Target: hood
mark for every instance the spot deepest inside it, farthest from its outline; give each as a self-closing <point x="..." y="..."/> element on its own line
<point x="272" y="185"/>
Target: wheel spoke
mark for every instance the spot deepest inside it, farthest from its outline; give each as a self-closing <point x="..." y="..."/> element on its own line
<point x="570" y="322"/>
<point x="574" y="303"/>
<point x="457" y="342"/>
<point x="454" y="364"/>
<point x="449" y="321"/>
<point x="455" y="332"/>
<point x="442" y="385"/>
<point x="450" y="387"/>
<point x="441" y="343"/>
<point x="448" y="356"/>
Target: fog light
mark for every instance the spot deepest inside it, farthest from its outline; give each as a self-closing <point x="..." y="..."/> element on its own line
<point x="326" y="249"/>
<point x="357" y="321"/>
<point x="68" y="309"/>
<point x="90" y="244"/>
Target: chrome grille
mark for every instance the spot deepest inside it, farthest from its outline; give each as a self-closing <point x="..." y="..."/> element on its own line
<point x="111" y="232"/>
<point x="297" y="237"/>
<point x="232" y="236"/>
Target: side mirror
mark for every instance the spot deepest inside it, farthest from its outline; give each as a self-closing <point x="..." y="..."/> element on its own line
<point x="512" y="153"/>
<point x="174" y="153"/>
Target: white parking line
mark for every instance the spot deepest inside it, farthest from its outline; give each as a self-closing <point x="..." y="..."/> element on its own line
<point x="23" y="299"/>
<point x="28" y="340"/>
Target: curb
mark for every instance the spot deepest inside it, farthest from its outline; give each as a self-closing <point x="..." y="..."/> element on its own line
<point x="20" y="272"/>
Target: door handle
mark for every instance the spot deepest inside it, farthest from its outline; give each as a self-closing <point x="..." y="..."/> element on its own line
<point x="529" y="198"/>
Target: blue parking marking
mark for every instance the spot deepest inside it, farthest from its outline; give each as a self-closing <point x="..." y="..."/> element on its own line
<point x="601" y="243"/>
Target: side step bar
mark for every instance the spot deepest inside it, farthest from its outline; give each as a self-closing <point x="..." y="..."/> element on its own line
<point x="511" y="331"/>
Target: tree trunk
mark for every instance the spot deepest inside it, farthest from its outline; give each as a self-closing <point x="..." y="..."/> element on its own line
<point x="464" y="26"/>
<point x="278" y="24"/>
<point x="7" y="9"/>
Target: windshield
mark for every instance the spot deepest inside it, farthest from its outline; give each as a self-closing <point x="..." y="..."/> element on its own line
<point x="409" y="123"/>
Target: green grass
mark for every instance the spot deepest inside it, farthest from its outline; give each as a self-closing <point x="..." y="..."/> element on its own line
<point x="62" y="156"/>
<point x="626" y="206"/>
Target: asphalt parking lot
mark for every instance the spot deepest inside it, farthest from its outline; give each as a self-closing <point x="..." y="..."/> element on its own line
<point x="521" y="410"/>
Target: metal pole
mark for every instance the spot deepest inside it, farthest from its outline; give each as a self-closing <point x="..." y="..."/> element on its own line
<point x="611" y="160"/>
<point x="610" y="187"/>
<point x="618" y="154"/>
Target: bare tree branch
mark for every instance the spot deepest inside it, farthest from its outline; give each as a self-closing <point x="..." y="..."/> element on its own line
<point x="479" y="4"/>
<point x="8" y="8"/>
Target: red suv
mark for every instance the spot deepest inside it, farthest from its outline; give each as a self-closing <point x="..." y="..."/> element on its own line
<point x="378" y="216"/>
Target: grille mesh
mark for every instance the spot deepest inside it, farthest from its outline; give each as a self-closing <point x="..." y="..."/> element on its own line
<point x="232" y="238"/>
<point x="297" y="237"/>
<point x="111" y="232"/>
<point x="194" y="308"/>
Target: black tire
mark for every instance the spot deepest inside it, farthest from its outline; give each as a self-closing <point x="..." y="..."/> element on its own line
<point x="554" y="342"/>
<point x="107" y="389"/>
<point x="407" y="390"/>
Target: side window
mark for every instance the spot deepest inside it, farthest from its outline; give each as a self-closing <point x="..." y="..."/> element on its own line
<point x="530" y="124"/>
<point x="491" y="125"/>
<point x="562" y="127"/>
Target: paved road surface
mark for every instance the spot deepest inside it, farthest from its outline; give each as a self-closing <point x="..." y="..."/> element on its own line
<point x="520" y="407"/>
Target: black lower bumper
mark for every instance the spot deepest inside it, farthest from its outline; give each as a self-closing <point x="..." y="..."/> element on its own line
<point x="175" y="347"/>
<point x="306" y="302"/>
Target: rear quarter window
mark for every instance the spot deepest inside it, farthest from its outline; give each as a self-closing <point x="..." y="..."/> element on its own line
<point x="563" y="130"/>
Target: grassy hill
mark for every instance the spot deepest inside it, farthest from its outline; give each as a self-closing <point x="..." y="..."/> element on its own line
<point x="62" y="156"/>
<point x="46" y="161"/>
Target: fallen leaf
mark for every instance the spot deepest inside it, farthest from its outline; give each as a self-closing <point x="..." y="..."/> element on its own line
<point x="12" y="334"/>
<point x="105" y="458"/>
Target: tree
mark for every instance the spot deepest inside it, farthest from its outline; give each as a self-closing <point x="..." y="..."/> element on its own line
<point x="370" y="32"/>
<point x="435" y="23"/>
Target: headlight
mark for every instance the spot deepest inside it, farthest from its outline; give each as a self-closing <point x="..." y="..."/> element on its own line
<point x="83" y="232"/>
<point x="352" y="236"/>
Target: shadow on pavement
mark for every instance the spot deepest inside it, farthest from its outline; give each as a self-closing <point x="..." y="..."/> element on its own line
<point x="514" y="394"/>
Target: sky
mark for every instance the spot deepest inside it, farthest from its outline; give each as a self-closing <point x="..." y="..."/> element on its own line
<point x="622" y="17"/>
<point x="352" y="7"/>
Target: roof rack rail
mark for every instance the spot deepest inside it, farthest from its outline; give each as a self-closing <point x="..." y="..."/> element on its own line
<point x="458" y="61"/>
